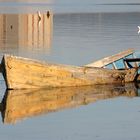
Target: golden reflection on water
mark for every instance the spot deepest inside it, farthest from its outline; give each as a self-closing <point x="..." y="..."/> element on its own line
<point x="26" y="30"/>
<point x="20" y="104"/>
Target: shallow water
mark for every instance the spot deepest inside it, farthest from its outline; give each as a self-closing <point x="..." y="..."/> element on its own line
<point x="78" y="32"/>
<point x="101" y="112"/>
<point x="74" y="39"/>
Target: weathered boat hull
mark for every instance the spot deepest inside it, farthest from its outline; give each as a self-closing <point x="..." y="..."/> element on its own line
<point x="131" y="75"/>
<point x="23" y="73"/>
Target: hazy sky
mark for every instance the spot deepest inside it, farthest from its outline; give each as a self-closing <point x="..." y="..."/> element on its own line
<point x="85" y="1"/>
<point x="63" y="6"/>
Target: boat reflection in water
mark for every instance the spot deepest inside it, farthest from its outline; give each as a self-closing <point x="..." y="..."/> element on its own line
<point x="26" y="30"/>
<point x="19" y="104"/>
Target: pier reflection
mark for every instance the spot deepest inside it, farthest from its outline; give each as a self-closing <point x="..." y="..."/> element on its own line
<point x="26" y="30"/>
<point x="19" y="104"/>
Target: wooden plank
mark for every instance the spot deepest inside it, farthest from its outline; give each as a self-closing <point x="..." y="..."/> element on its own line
<point x="132" y="59"/>
<point x="114" y="65"/>
<point x="132" y="62"/>
<point x="110" y="59"/>
<point x="136" y="63"/>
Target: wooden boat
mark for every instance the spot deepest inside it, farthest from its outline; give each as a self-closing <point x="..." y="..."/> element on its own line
<point x="20" y="104"/>
<point x="23" y="73"/>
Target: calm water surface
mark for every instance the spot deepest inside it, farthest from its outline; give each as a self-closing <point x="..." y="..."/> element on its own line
<point x="77" y="32"/>
<point x="72" y="38"/>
